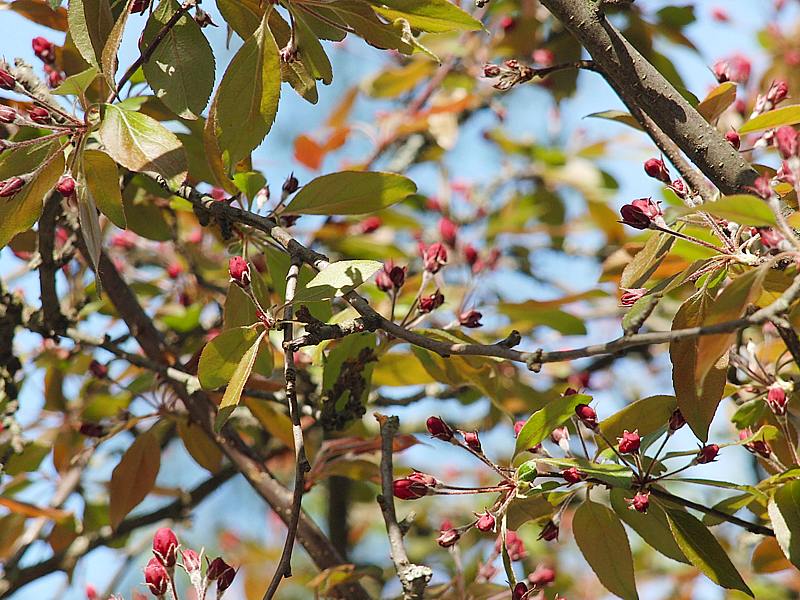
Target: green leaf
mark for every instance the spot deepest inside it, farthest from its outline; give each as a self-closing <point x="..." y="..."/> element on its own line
<point x="76" y="85"/>
<point x="741" y="208"/>
<point x="787" y="115"/>
<point x="233" y="393"/>
<point x="647" y="415"/>
<point x="312" y="54"/>
<point x="604" y="544"/>
<point x="428" y="15"/>
<point x="90" y="23"/>
<point x="102" y="177"/>
<point x="22" y="210"/>
<point x="222" y="355"/>
<point x="339" y="278"/>
<point x="704" y="551"/>
<point x="89" y="223"/>
<point x="351" y="193"/>
<point x="181" y="70"/>
<point x="618" y="116"/>
<point x="646" y="261"/>
<point x="523" y="510"/>
<point x="554" y="414"/>
<point x="140" y="143"/>
<point x="784" y="512"/>
<point x="652" y="527"/>
<point x="246" y="102"/>
<point x="108" y="57"/>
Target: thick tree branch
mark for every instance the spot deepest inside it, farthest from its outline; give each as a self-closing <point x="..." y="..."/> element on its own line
<point x="53" y="321"/>
<point x="639" y="84"/>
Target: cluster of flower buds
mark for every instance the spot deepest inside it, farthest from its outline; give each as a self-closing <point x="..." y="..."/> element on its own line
<point x="391" y="278"/>
<point x="45" y="50"/>
<point x="239" y="271"/>
<point x="509" y="74"/>
<point x="642" y="213"/>
<point x="760" y="447"/>
<point x="777" y="92"/>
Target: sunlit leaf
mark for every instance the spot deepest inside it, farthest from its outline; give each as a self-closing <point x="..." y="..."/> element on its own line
<point x="351" y="193"/>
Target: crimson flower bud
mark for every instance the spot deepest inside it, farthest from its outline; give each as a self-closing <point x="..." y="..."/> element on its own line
<point x="777" y="399"/>
<point x="640" y="502"/>
<point x="778" y="92"/>
<point x="165" y="546"/>
<point x="430" y="303"/>
<point x="472" y="440"/>
<point x="470" y="254"/>
<point x="434" y="257"/>
<point x="470" y="318"/>
<point x="424" y="478"/>
<point x="291" y="185"/>
<point x="631" y="296"/>
<point x="448" y="538"/>
<point x="587" y="415"/>
<point x="370" y="224"/>
<point x="656" y="169"/>
<point x="409" y="489"/>
<point x="398" y="276"/>
<point x="239" y="271"/>
<point x="486" y="522"/>
<point x="542" y="576"/>
<point x="543" y="56"/>
<point x="222" y="573"/>
<point x="734" y="139"/>
<point x="439" y="429"/>
<point x="491" y="70"/>
<point x="139" y="6"/>
<point x="98" y="370"/>
<point x="518" y="425"/>
<point x="156" y="577"/>
<point x="44" y="49"/>
<point x="191" y="560"/>
<point x="676" y="421"/>
<point x="573" y="475"/>
<point x="11" y="186"/>
<point x="7" y="81"/>
<point x="93" y="430"/>
<point x="39" y="115"/>
<point x="629" y="442"/>
<point x="449" y="231"/>
<point x="707" y="454"/>
<point x="174" y="270"/>
<point x="785" y="140"/>
<point x="66" y="185"/>
<point x="91" y="592"/>
<point x="549" y="532"/>
<point x="634" y="217"/>
<point x="760" y="447"/>
<point x="7" y="114"/>
<point x="520" y="591"/>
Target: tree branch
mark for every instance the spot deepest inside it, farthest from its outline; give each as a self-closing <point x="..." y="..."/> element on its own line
<point x="52" y="319"/>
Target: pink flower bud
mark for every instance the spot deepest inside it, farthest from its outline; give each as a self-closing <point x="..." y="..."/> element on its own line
<point x="471" y="439"/>
<point x="762" y="187"/>
<point x="777" y="399"/>
<point x="423" y="478"/>
<point x="707" y="454"/>
<point x="630" y="296"/>
<point x="778" y="92"/>
<point x="434" y="257"/>
<point x="587" y="415"/>
<point x="656" y="169"/>
<point x="486" y="522"/>
<point x="680" y="188"/>
<point x="676" y="421"/>
<point x="8" y="114"/>
<point x="785" y="141"/>
<point x="559" y="434"/>
<point x="165" y="546"/>
<point x="470" y="318"/>
<point x="430" y="303"/>
<point x="640" y="502"/>
<point x="11" y="186"/>
<point x="514" y="545"/>
<point x="518" y="425"/>
<point x="7" y="81"/>
<point x="370" y="224"/>
<point x="98" y="370"/>
<point x="544" y="57"/>
<point x="191" y="560"/>
<point x="439" y="429"/>
<point x="39" y="115"/>
<point x="770" y="238"/>
<point x="549" y="532"/>
<point x="66" y="185"/>
<point x="156" y="577"/>
<point x="91" y="592"/>
<point x="734" y="139"/>
<point x="174" y="270"/>
<point x="573" y="475"/>
<point x="520" y="591"/>
<point x="648" y="207"/>
<point x="239" y="271"/>
<point x="448" y="231"/>
<point x="629" y="442"/>
<point x="736" y="68"/>
<point x="542" y="576"/>
<point x="44" y="49"/>
<point x="720" y="15"/>
<point x="408" y="489"/>
<point x="222" y="573"/>
<point x="448" y="538"/>
<point x="54" y="76"/>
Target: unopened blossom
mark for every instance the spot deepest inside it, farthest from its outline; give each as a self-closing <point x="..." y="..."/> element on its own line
<point x="472" y="440"/>
<point x="676" y="420"/>
<point x="439" y="429"/>
<point x="629" y="442"/>
<point x="777" y="399"/>
<point x="762" y="187"/>
<point x="573" y="475"/>
<point x="165" y="546"/>
<point x="549" y="532"/>
<point x="486" y="522"/>
<point x="640" y="213"/>
<point x="736" y="68"/>
<point x="222" y="573"/>
<point x="542" y="576"/>
<point x="7" y="80"/>
<point x="434" y="257"/>
<point x="44" y="49"/>
<point x="631" y="296"/>
<point x="408" y="489"/>
<point x="156" y="578"/>
<point x="448" y="538"/>
<point x="239" y="271"/>
<point x="707" y="454"/>
<point x="640" y="502"/>
<point x="520" y="591"/>
<point x="785" y="141"/>
<point x="66" y="185"/>
<point x="760" y="447"/>
<point x="11" y="186"/>
<point x="448" y="231"/>
<point x="655" y="168"/>
<point x="430" y="303"/>
<point x="470" y="318"/>
<point x="514" y="545"/>
<point x="734" y="139"/>
<point x="587" y="415"/>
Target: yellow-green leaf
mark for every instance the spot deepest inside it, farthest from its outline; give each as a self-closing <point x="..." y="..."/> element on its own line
<point x="787" y="115"/>
<point x="544" y="420"/>
<point x="784" y="512"/>
<point x="428" y="15"/>
<point x="90" y="23"/>
<point x="647" y="415"/>
<point x="102" y="177"/>
<point x="744" y="209"/>
<point x="222" y="355"/>
<point x="233" y="393"/>
<point x="652" y="527"/>
<point x="339" y="278"/>
<point x="351" y="193"/>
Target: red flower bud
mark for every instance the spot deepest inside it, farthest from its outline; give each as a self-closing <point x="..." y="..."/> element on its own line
<point x="39" y="115"/>
<point x="631" y="296"/>
<point x="66" y="185"/>
<point x="470" y="318"/>
<point x="222" y="573"/>
<point x="448" y="538"/>
<point x="434" y="257"/>
<point x="430" y="303"/>
<point x="785" y="140"/>
<point x="514" y="545"/>
<point x="543" y="56"/>
<point x="542" y="576"/>
<point x="448" y="231"/>
<point x="291" y="185"/>
<point x="587" y="415"/>
<point x="423" y="478"/>
<point x="520" y="591"/>
<point x="518" y="425"/>
<point x="629" y="442"/>
<point x="8" y="114"/>
<point x="486" y="522"/>
<point x="676" y="421"/>
<point x="470" y="254"/>
<point x="7" y="81"/>
<point x="707" y="454"/>
<point x="573" y="475"/>
<point x="491" y="70"/>
<point x="91" y="592"/>
<point x="156" y="577"/>
<point x="165" y="546"/>
<point x="760" y="447"/>
<point x="44" y="49"/>
<point x="549" y="532"/>
<point x="98" y="370"/>
<point x="54" y="76"/>
<point x="777" y="399"/>
<point x="734" y="139"/>
<point x="439" y="429"/>
<point x="11" y="186"/>
<point x="408" y="489"/>
<point x="239" y="271"/>
<point x="640" y="502"/>
<point x="191" y="560"/>
<point x="174" y="270"/>
<point x="472" y="440"/>
<point x="370" y="224"/>
<point x="139" y="6"/>
<point x="656" y="169"/>
<point x="634" y="217"/>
